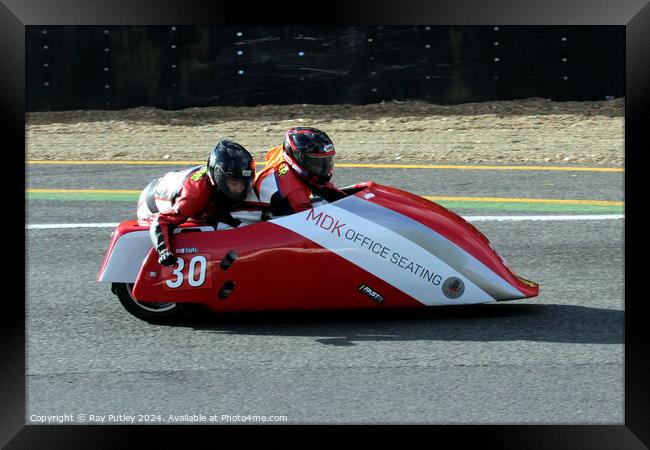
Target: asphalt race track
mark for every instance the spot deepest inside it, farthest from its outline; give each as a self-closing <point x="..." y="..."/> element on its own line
<point x="557" y="358"/>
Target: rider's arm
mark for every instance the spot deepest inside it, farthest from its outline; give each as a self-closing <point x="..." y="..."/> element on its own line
<point x="191" y="200"/>
<point x="295" y="201"/>
<point x="162" y="227"/>
<point x="330" y="193"/>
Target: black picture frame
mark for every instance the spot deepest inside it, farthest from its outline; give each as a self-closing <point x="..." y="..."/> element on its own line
<point x="634" y="15"/>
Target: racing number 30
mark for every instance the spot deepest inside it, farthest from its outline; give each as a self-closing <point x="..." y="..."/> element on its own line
<point x="196" y="275"/>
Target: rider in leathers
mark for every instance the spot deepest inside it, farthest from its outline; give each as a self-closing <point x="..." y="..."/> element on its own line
<point x="206" y="193"/>
<point x="303" y="165"/>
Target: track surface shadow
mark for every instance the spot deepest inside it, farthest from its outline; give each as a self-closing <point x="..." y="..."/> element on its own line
<point x="495" y="322"/>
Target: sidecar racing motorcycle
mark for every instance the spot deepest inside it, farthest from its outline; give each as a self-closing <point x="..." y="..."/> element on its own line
<point x="379" y="247"/>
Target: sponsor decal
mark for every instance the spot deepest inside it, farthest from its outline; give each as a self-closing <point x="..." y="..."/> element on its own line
<point x="528" y="282"/>
<point x="283" y="169"/>
<point x="339" y="230"/>
<point x="246" y="173"/>
<point x="367" y="290"/>
<point x="328" y="147"/>
<point x="153" y="274"/>
<point x="325" y="221"/>
<point x="453" y="287"/>
<point x="355" y="232"/>
<point x="199" y="173"/>
<point x="187" y="250"/>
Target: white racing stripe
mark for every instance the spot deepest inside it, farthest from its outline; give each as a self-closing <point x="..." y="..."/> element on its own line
<point x="392" y="259"/>
<point x="54" y="226"/>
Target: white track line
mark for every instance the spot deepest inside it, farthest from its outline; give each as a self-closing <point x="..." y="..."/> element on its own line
<point x="51" y="226"/>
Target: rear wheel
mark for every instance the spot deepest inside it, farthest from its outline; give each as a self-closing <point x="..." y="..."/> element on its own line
<point x="150" y="312"/>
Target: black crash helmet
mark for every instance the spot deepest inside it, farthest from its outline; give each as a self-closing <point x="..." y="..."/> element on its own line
<point x="232" y="169"/>
<point x="312" y="150"/>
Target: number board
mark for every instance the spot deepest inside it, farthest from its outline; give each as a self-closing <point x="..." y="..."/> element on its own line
<point x="188" y="273"/>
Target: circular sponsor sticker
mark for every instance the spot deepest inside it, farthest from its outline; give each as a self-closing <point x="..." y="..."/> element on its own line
<point x="453" y="287"/>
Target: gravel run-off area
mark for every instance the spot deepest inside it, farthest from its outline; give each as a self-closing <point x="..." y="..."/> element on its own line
<point x="528" y="131"/>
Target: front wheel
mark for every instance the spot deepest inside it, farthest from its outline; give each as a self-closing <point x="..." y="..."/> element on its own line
<point x="149" y="312"/>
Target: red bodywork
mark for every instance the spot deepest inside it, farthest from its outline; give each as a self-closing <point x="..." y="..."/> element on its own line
<point x="278" y="269"/>
<point x="453" y="227"/>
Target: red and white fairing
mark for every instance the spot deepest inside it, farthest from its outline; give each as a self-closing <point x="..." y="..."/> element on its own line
<point x="380" y="247"/>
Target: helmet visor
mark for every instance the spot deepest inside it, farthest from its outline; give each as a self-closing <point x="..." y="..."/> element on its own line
<point x="314" y="142"/>
<point x="235" y="187"/>
<point x="319" y="165"/>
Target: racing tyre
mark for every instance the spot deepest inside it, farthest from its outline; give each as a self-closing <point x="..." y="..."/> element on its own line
<point x="150" y="312"/>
